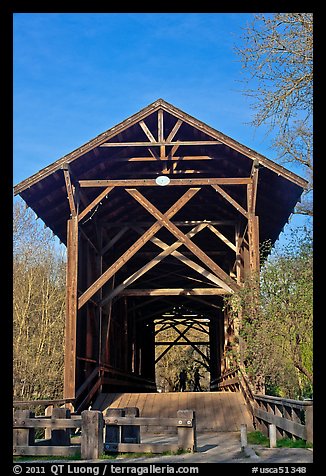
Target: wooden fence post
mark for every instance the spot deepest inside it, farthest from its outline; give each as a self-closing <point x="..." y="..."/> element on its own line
<point x="48" y="412"/>
<point x="272" y="436"/>
<point x="309" y="423"/>
<point x="60" y="437"/>
<point x="130" y="433"/>
<point x="113" y="432"/>
<point x="92" y="434"/>
<point x="187" y="435"/>
<point x="22" y="436"/>
<point x="243" y="435"/>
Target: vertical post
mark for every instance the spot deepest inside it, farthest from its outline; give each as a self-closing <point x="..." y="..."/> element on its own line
<point x="60" y="437"/>
<point x="309" y="423"/>
<point x="187" y="435"/>
<point x="237" y="253"/>
<point x="243" y="436"/>
<point x="92" y="434"/>
<point x="131" y="434"/>
<point x="48" y="413"/>
<point x="22" y="436"/>
<point x="113" y="432"/>
<point x="71" y="308"/>
<point x="272" y="435"/>
<point x="253" y="231"/>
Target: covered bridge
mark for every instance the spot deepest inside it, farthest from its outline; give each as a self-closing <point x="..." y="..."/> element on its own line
<point x="162" y="216"/>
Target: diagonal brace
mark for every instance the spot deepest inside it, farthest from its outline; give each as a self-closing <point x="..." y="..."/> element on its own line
<point x="165" y="221"/>
<point x="135" y="247"/>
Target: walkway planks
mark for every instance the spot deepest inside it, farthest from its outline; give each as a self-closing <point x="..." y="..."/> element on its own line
<point x="215" y="411"/>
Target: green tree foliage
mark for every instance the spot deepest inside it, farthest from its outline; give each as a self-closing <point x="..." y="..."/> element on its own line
<point x="276" y="324"/>
<point x="39" y="307"/>
<point x="277" y="59"/>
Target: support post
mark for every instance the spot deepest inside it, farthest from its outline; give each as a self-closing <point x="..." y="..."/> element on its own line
<point x="92" y="434"/>
<point x="60" y="437"/>
<point x="71" y="308"/>
<point x="243" y="436"/>
<point x="272" y="435"/>
<point x="48" y="413"/>
<point x="309" y="424"/>
<point x="22" y="436"/>
<point x="187" y="435"/>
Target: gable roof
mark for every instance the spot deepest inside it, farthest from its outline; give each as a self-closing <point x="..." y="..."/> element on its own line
<point x="127" y="150"/>
<point x="142" y="114"/>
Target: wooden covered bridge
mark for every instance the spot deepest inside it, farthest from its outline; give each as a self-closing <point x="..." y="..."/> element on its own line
<point x="162" y="216"/>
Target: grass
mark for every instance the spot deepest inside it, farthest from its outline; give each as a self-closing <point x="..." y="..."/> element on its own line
<point x="258" y="438"/>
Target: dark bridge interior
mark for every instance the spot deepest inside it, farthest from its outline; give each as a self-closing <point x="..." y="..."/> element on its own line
<point x="161" y="215"/>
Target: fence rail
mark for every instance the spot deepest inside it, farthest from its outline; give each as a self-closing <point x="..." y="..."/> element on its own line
<point x="118" y="431"/>
<point x="292" y="418"/>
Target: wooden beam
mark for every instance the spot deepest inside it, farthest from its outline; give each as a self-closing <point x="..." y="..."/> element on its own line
<point x="177" y="223"/>
<point x="228" y="283"/>
<point x="188" y="182"/>
<point x="160" y="143"/>
<point x="230" y="199"/>
<point x="222" y="237"/>
<point x="174" y="292"/>
<point x="253" y="232"/>
<point x="93" y="204"/>
<point x="254" y="176"/>
<point x="70" y="194"/>
<point x="134" y="248"/>
<point x="237" y="254"/>
<point x="71" y="308"/>
<point x="185" y="158"/>
<point x="181" y="257"/>
<point x="147" y="131"/>
<point x="174" y="130"/>
<point x="154" y="262"/>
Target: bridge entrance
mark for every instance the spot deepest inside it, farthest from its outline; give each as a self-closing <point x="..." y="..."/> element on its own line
<point x="162" y="216"/>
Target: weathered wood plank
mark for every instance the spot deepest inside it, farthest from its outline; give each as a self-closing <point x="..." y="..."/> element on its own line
<point x="184" y="158"/>
<point x="174" y="130"/>
<point x="58" y="424"/>
<point x="134" y="248"/>
<point x="71" y="308"/>
<point x="92" y="435"/>
<point x="174" y="292"/>
<point x="173" y="182"/>
<point x="160" y="143"/>
<point x="286" y="425"/>
<point x="148" y="421"/>
<point x="148" y="133"/>
<point x="71" y="199"/>
<point x="46" y="450"/>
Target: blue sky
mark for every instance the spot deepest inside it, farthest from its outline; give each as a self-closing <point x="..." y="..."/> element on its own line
<point x="76" y="75"/>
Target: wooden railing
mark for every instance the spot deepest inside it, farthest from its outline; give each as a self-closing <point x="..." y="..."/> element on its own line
<point x="292" y="418"/>
<point x="121" y="433"/>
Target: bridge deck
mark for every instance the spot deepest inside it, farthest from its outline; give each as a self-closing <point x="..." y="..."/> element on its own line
<point x="215" y="411"/>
